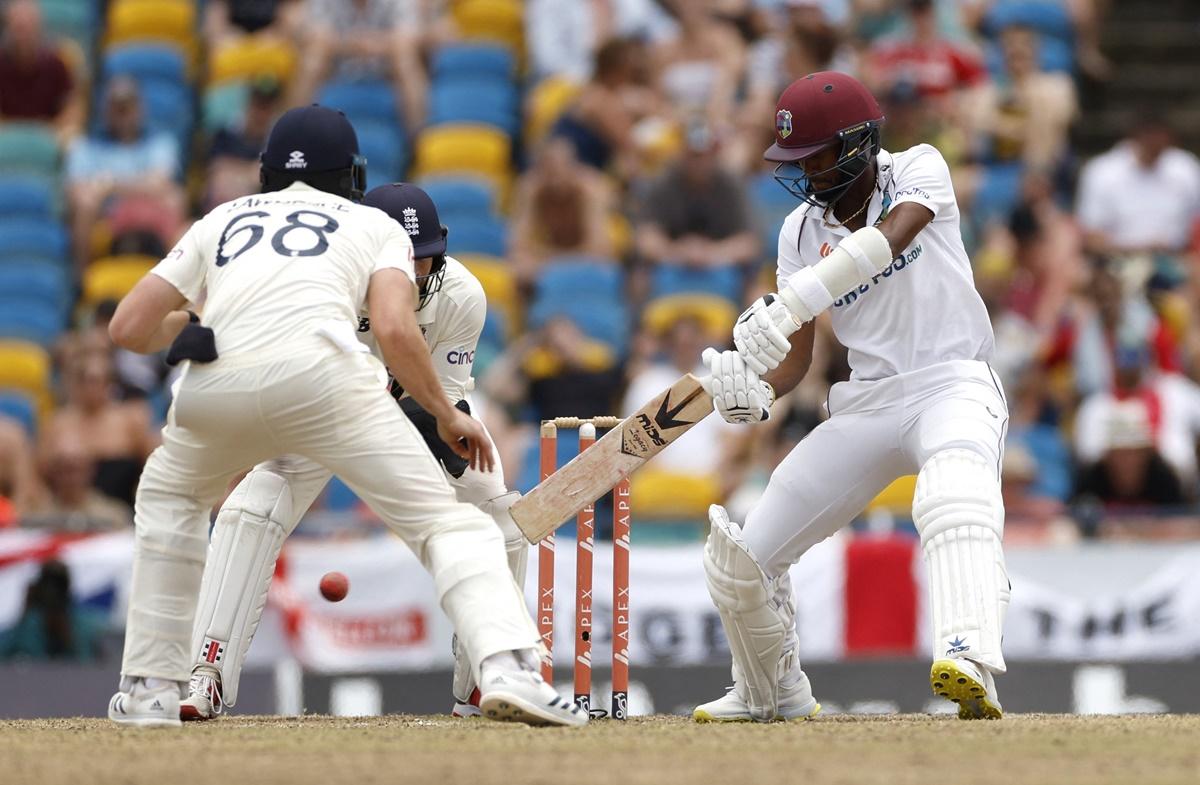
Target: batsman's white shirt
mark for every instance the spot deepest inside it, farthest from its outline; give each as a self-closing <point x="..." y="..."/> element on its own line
<point x="922" y="310"/>
<point x="919" y="339"/>
<point x="283" y="265"/>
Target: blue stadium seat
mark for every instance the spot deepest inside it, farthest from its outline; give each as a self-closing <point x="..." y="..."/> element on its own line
<point x="488" y="102"/>
<point x="456" y="196"/>
<point x="367" y="101"/>
<point x="668" y="279"/>
<point x="1053" y="55"/>
<point x="28" y="148"/>
<point x="1048" y="17"/>
<point x="479" y="234"/>
<point x="589" y="293"/>
<point x="146" y="62"/>
<point x="28" y="239"/>
<point x="771" y="205"/>
<point x="168" y="107"/>
<point x="19" y="406"/>
<point x="386" y="152"/>
<point x="34" y="282"/>
<point x="26" y="197"/>
<point x="455" y="60"/>
<point x="30" y="321"/>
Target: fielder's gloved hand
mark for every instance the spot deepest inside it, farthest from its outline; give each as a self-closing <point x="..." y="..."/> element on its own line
<point x="761" y="333"/>
<point x="427" y="427"/>
<point x="195" y="342"/>
<point x="738" y="394"/>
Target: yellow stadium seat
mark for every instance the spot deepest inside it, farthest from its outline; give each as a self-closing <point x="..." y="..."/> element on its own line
<point x="547" y="102"/>
<point x="662" y="494"/>
<point x="499" y="285"/>
<point x="716" y="313"/>
<point x="252" y="57"/>
<point x="897" y="498"/>
<point x="111" y="278"/>
<point x="494" y="20"/>
<point x="26" y="367"/>
<point x="476" y="150"/>
<point x="169" y="21"/>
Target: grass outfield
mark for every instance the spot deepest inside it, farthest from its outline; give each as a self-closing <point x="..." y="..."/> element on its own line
<point x="1052" y="749"/>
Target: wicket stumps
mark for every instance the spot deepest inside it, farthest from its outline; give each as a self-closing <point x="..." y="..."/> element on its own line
<point x="585" y="540"/>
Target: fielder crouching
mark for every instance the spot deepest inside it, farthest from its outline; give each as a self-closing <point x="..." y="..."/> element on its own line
<point x="270" y="501"/>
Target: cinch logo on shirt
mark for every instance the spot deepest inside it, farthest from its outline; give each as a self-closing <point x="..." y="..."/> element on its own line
<point x="459" y="357"/>
<point x="899" y="263"/>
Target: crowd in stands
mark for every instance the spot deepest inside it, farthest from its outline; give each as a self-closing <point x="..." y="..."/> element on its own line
<point x="599" y="165"/>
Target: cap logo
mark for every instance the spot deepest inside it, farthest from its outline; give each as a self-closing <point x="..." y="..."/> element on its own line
<point x="411" y="223"/>
<point x="783" y="123"/>
<point x="296" y="160"/>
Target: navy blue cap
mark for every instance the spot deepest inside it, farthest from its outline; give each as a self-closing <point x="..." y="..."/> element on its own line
<point x="415" y="211"/>
<point x="311" y="139"/>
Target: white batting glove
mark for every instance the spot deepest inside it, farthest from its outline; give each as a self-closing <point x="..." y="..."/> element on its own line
<point x="761" y="333"/>
<point x="739" y="396"/>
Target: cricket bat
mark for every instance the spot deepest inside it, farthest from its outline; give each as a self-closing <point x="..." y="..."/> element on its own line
<point x="594" y="472"/>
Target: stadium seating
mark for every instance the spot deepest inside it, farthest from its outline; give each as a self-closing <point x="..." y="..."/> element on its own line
<point x="112" y="277"/>
<point x="481" y="234"/>
<point x="28" y="148"/>
<point x="472" y="150"/>
<point x="32" y="239"/>
<point x="474" y="100"/>
<point x="365" y="101"/>
<point x="249" y="58"/>
<point x="167" y="21"/>
<point x="224" y="105"/>
<point x="145" y="63"/>
<point x="499" y="284"/>
<point x="73" y="20"/>
<point x="30" y="320"/>
<point x="20" y="407"/>
<point x="25" y="196"/>
<point x="386" y="152"/>
<point x="716" y="313"/>
<point x="668" y="279"/>
<point x="546" y="103"/>
<point x="25" y="366"/>
<point x="588" y="291"/>
<point x="492" y="20"/>
<point x="455" y="196"/>
<point x="473" y="60"/>
<point x="34" y="282"/>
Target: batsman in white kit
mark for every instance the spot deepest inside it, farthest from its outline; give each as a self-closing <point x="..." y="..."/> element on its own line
<point x="876" y="242"/>
<point x="247" y="538"/>
<point x="276" y="369"/>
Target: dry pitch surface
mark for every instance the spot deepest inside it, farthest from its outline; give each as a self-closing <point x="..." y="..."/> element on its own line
<point x="1057" y="750"/>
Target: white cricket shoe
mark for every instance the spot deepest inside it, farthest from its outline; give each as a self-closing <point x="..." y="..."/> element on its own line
<point x="143" y="706"/>
<point x="513" y="691"/>
<point x="969" y="685"/>
<point x="467" y="708"/>
<point x="204" y="696"/>
<point x="795" y="703"/>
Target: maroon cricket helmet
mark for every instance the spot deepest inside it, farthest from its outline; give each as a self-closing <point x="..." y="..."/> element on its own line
<point x="818" y="110"/>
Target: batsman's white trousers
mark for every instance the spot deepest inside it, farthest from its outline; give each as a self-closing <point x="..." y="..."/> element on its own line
<point x="331" y="407"/>
<point x="877" y="431"/>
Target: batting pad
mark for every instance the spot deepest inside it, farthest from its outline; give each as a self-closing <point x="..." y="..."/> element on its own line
<point x="246" y="539"/>
<point x="960" y="516"/>
<point x="761" y="631"/>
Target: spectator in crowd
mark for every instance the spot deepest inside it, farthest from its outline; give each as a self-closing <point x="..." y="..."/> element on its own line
<point x="52" y="626"/>
<point x="72" y="503"/>
<point x="35" y="81"/>
<point x="19" y="488"/>
<point x="558" y="370"/>
<point x="601" y="121"/>
<point x="700" y="68"/>
<point x="937" y="66"/>
<point x="351" y="40"/>
<point x="233" y="159"/>
<point x="115" y="434"/>
<point x="1171" y="400"/>
<point x="563" y="36"/>
<point x="123" y="160"/>
<point x="1141" y="197"/>
<point x="561" y="209"/>
<point x="226" y="21"/>
<point x="135" y="376"/>
<point x="1025" y="114"/>
<point x="1130" y="472"/>
<point x="684" y="480"/>
<point x="696" y="216"/>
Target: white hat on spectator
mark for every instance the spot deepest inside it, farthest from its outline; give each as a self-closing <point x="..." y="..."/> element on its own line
<point x="1128" y="426"/>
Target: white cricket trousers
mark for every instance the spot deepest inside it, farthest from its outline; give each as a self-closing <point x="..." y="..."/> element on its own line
<point x="332" y="407"/>
<point x="877" y="432"/>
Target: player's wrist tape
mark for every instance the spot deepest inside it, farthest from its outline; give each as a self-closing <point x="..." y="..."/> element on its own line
<point x="770" y="394"/>
<point x="804" y="294"/>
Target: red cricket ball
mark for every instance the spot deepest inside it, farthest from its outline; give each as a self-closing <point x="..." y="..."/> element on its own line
<point x="334" y="586"/>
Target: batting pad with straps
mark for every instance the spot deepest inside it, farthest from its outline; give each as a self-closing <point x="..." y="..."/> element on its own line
<point x="759" y="620"/>
<point x="960" y="516"/>
<point x="246" y="539"/>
